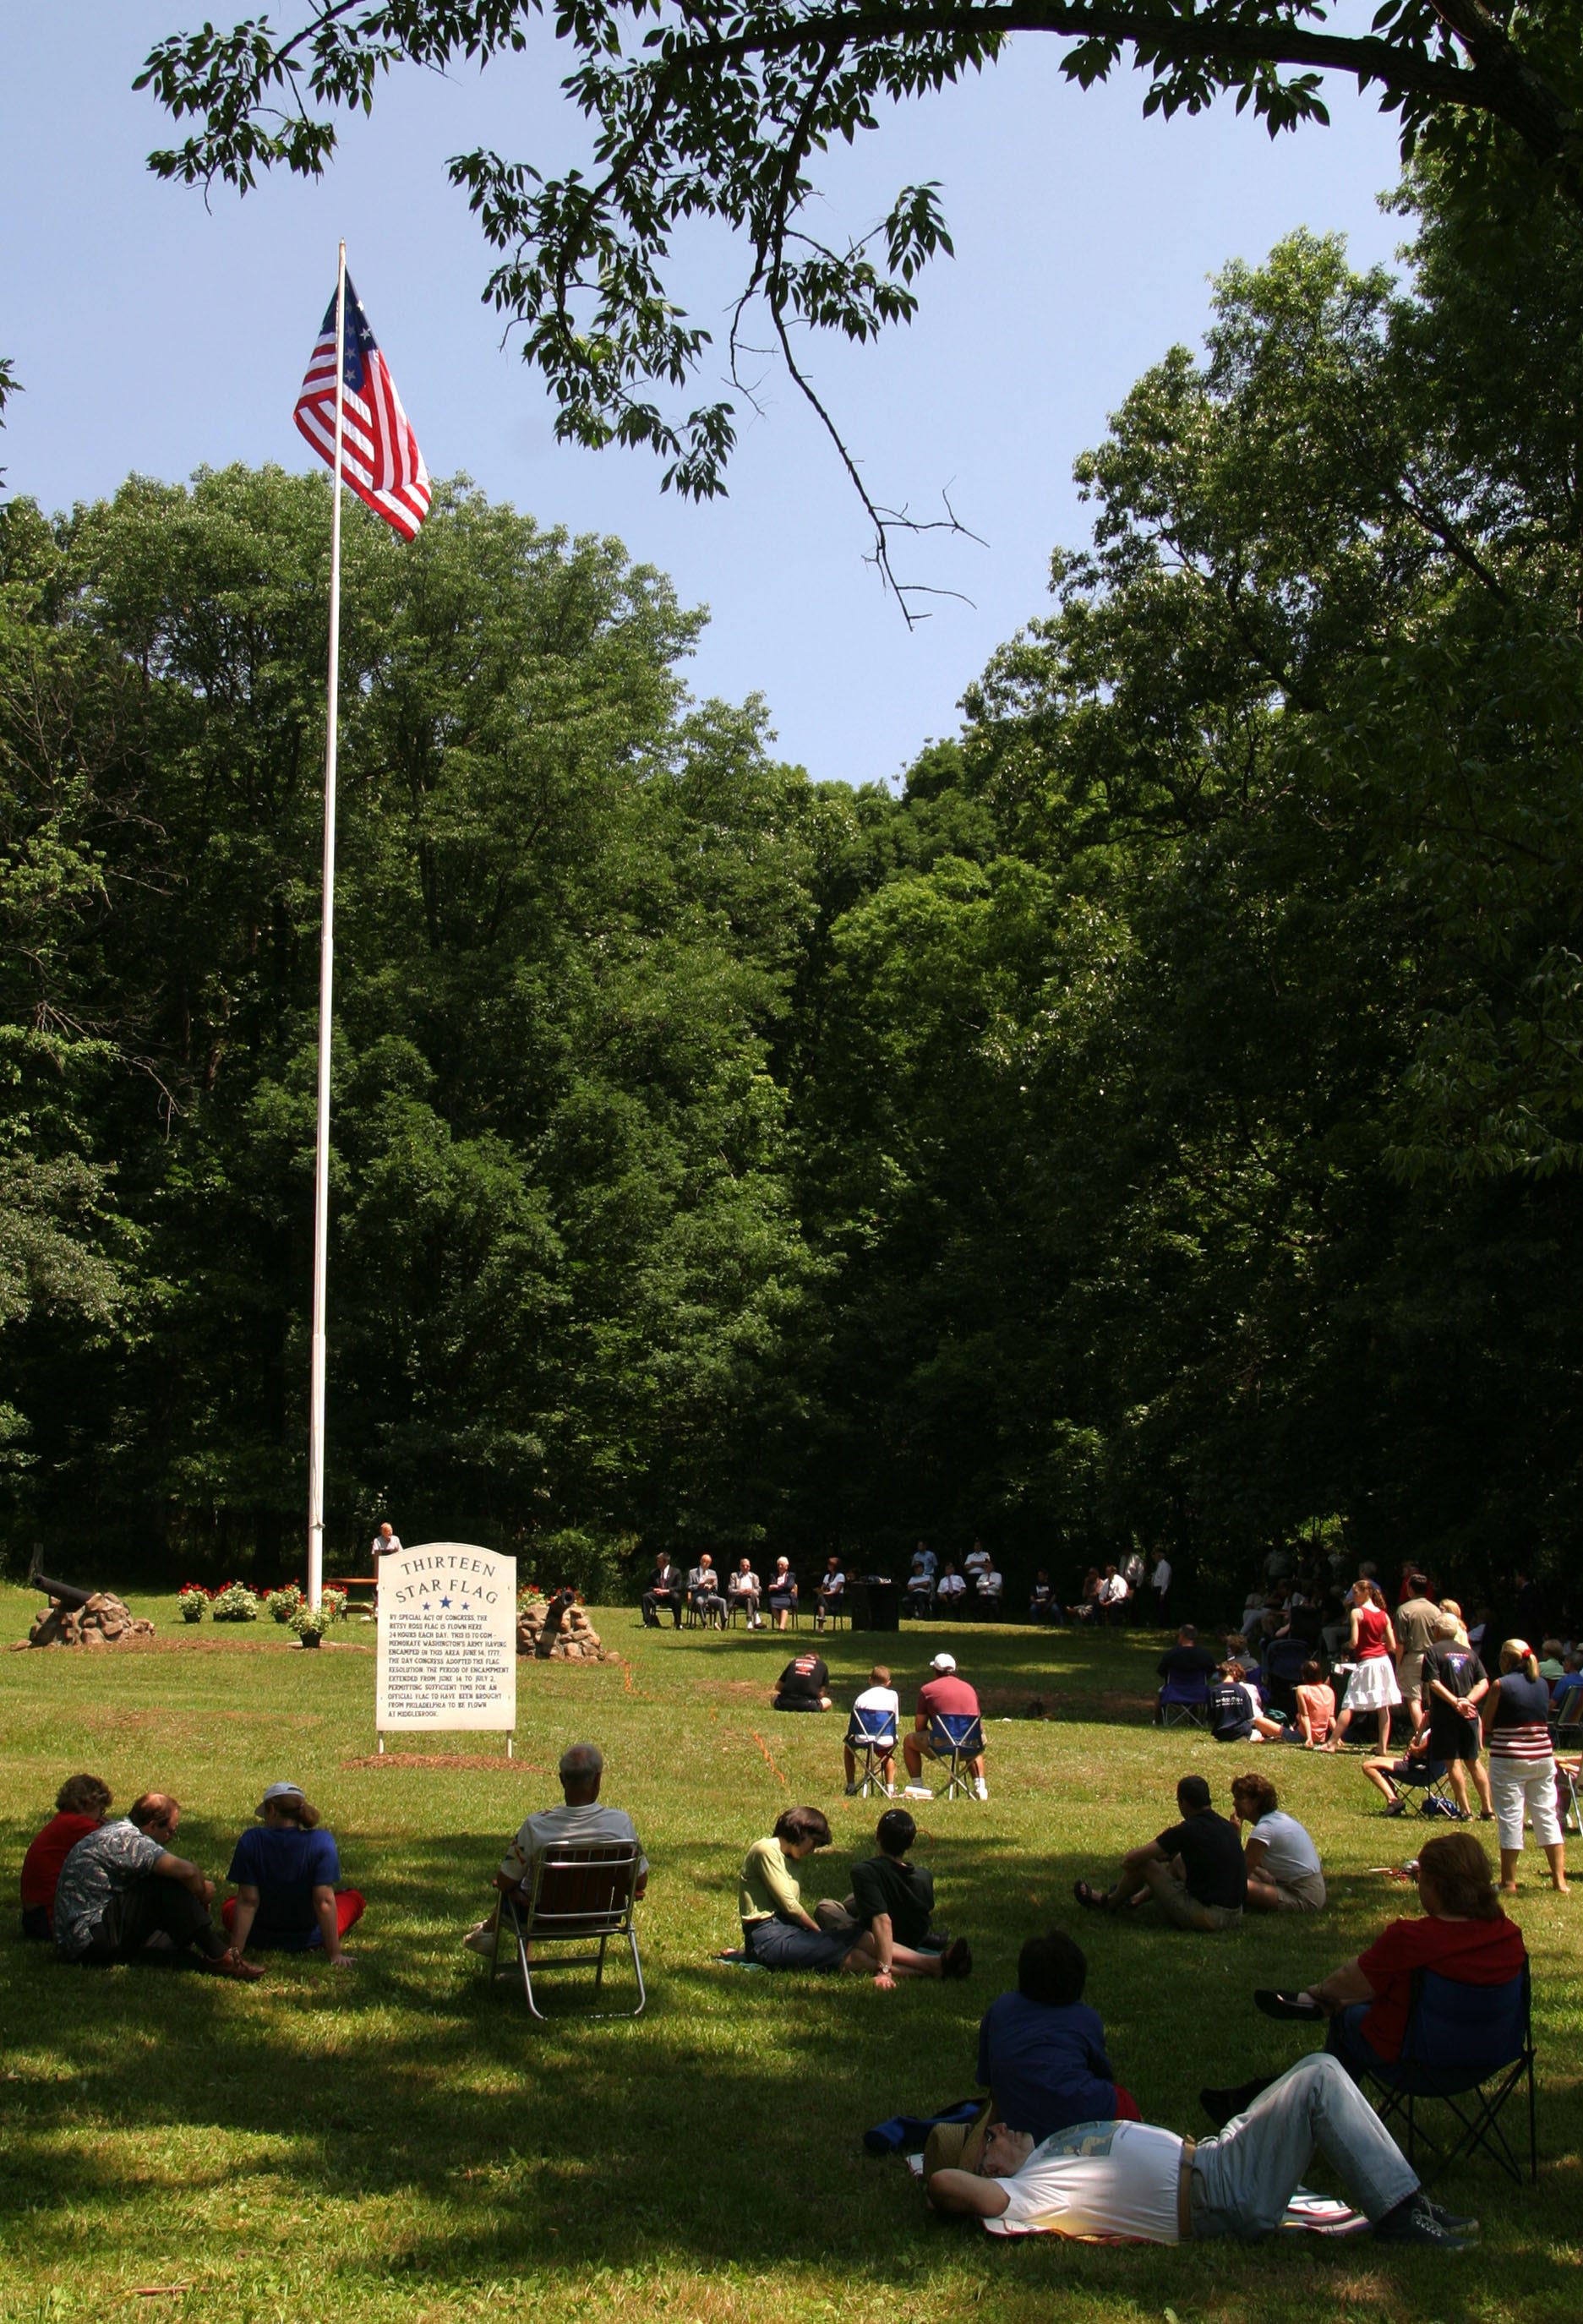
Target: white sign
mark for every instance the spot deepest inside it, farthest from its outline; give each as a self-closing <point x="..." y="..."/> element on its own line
<point x="447" y="1638"/>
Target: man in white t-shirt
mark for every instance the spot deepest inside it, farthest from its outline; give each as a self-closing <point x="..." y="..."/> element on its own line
<point x="1159" y="1583"/>
<point x="1132" y="2181"/>
<point x="582" y="1770"/>
<point x="1111" y="1597"/>
<point x="1284" y="1874"/>
<point x="878" y="1702"/>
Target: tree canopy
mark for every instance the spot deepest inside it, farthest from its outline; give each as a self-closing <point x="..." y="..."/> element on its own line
<point x="723" y="109"/>
<point x="1160" y="1124"/>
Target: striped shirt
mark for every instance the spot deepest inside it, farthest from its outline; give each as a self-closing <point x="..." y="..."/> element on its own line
<point x="1520" y="1730"/>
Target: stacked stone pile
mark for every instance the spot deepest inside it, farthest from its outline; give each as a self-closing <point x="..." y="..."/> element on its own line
<point x="103" y="1622"/>
<point x="569" y="1639"/>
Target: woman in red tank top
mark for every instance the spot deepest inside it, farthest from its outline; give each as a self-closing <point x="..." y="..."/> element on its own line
<point x="1372" y="1647"/>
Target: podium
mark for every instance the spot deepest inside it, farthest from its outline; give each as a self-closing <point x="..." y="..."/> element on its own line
<point x="873" y="1603"/>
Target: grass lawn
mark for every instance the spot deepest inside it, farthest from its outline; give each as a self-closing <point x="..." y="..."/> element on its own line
<point x="402" y="2142"/>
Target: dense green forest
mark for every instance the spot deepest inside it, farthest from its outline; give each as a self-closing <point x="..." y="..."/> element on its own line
<point x="1159" y="1123"/>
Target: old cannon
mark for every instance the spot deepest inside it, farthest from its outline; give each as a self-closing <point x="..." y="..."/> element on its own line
<point x="81" y="1618"/>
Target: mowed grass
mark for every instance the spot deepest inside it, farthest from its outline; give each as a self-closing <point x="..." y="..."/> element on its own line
<point x="402" y="2142"/>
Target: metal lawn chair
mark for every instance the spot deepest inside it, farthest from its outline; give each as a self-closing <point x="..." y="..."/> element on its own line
<point x="583" y="1895"/>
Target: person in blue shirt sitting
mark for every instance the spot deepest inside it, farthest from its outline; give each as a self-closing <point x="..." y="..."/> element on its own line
<point x="1041" y="2049"/>
<point x="285" y="1869"/>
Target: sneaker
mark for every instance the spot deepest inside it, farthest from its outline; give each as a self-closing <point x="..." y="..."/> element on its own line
<point x="1396" y="1807"/>
<point x="917" y="1792"/>
<point x="853" y="1790"/>
<point x="956" y="1961"/>
<point x="980" y="1788"/>
<point x="1413" y="2222"/>
<point x="481" y="1941"/>
<point x="1456" y="2223"/>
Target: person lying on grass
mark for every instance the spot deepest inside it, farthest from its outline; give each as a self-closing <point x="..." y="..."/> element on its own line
<point x="285" y="1869"/>
<point x="778" y="1932"/>
<point x="1194" y="1873"/>
<point x="81" y="1805"/>
<point x="1136" y="2182"/>
<point x="1462" y="1936"/>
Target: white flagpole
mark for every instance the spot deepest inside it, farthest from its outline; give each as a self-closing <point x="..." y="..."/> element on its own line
<point x="326" y="971"/>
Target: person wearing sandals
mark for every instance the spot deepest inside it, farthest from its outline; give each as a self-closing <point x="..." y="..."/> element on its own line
<point x="285" y="1870"/>
<point x="779" y="1931"/>
<point x="1194" y="1873"/>
<point x="1371" y="1647"/>
<point x="1516" y="1715"/>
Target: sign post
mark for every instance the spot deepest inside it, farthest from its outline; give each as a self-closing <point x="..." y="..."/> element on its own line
<point x="446" y="1641"/>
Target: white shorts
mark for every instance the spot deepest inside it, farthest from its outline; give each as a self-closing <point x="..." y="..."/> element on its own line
<point x="1516" y="1781"/>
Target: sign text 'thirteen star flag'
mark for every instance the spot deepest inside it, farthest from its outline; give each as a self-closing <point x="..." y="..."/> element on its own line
<point x="380" y="458"/>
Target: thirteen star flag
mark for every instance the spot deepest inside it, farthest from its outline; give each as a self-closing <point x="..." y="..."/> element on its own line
<point x="380" y="458"/>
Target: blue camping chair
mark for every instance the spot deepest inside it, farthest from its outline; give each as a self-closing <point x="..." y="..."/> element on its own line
<point x="1469" y="2047"/>
<point x="1183" y="1702"/>
<point x="956" y="1736"/>
<point x="872" y="1736"/>
<point x="1282" y="1668"/>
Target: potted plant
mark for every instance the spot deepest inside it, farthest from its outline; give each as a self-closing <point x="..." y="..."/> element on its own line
<point x="192" y="1599"/>
<point x="283" y="1602"/>
<point x="309" y="1623"/>
<point x="234" y="1603"/>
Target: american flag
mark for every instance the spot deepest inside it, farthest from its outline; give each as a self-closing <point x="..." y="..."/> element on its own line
<point x="380" y="458"/>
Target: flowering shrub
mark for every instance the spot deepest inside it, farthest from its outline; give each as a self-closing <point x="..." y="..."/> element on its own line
<point x="309" y="1621"/>
<point x="234" y="1603"/>
<point x="193" y="1599"/>
<point x="529" y="1594"/>
<point x="332" y="1603"/>
<point x="283" y="1602"/>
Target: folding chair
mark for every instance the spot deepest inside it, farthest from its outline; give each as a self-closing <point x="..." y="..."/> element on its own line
<point x="956" y="1736"/>
<point x="1183" y="1702"/>
<point x="1282" y="1669"/>
<point x="1459" y="2039"/>
<point x="582" y="1895"/>
<point x="1566" y="1707"/>
<point x="872" y="1736"/>
<point x="1567" y="1799"/>
<point x="1430" y="1787"/>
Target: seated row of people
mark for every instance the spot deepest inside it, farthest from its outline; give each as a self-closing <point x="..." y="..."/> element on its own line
<point x="977" y="1587"/>
<point x="102" y="1890"/>
<point x="741" y="1591"/>
<point x="874" y="1729"/>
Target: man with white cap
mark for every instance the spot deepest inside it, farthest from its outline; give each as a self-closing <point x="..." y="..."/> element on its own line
<point x="944" y="1694"/>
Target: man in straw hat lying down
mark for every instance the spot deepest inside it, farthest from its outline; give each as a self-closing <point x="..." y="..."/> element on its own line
<point x="1134" y="2182"/>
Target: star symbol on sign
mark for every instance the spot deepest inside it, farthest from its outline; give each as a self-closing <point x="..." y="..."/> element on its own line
<point x="445" y="1602"/>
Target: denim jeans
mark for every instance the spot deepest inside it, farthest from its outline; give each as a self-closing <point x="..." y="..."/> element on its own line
<point x="1242" y="2181"/>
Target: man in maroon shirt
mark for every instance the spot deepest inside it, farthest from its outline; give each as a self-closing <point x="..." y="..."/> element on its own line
<point x="944" y="1694"/>
<point x="81" y="1804"/>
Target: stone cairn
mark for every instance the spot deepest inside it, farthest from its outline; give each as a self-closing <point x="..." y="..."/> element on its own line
<point x="555" y="1632"/>
<point x="103" y="1620"/>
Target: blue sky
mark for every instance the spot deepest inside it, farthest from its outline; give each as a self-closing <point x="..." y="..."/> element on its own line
<point x="155" y="335"/>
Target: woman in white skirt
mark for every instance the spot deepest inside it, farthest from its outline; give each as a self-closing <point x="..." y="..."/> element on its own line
<point x="1522" y="1763"/>
<point x="1371" y="1647"/>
